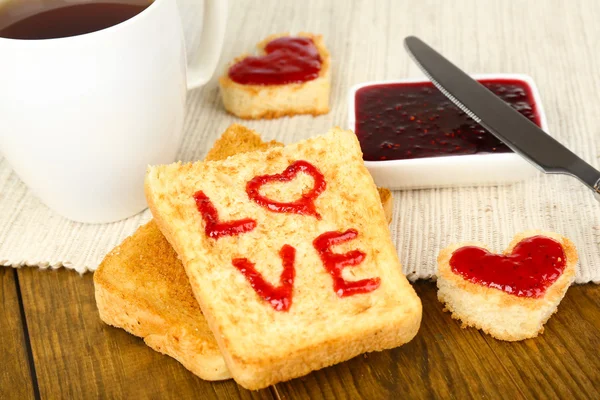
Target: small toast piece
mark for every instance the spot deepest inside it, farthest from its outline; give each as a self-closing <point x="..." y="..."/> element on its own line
<point x="262" y="345"/>
<point x="141" y="285"/>
<point x="274" y="101"/>
<point x="502" y="315"/>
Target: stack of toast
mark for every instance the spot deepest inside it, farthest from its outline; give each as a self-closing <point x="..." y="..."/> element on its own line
<point x="267" y="281"/>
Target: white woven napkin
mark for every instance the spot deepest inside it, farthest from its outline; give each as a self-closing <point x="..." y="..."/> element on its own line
<point x="365" y="43"/>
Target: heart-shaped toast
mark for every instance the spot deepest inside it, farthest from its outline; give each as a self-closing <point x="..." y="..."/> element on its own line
<point x="511" y="295"/>
<point x="290" y="76"/>
<point x="305" y="205"/>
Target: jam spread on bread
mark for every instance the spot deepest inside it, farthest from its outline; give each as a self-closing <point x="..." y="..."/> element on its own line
<point x="215" y="228"/>
<point x="335" y="263"/>
<point x="413" y="120"/>
<point x="534" y="264"/>
<point x="305" y="205"/>
<point x="287" y="60"/>
<point x="279" y="297"/>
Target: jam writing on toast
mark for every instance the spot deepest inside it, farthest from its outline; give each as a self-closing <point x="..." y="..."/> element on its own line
<point x="280" y="297"/>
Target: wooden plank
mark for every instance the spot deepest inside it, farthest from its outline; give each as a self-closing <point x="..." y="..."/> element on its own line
<point x="563" y="362"/>
<point x="443" y="361"/>
<point x="78" y="356"/>
<point x="15" y="376"/>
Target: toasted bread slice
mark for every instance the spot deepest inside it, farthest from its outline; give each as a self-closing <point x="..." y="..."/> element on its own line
<point x="274" y="101"/>
<point x="502" y="315"/>
<point x="262" y="345"/>
<point x="141" y="285"/>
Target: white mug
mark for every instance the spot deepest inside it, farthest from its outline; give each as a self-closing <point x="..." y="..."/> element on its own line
<point x="81" y="117"/>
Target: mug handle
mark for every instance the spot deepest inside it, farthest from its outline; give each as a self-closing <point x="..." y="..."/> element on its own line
<point x="213" y="33"/>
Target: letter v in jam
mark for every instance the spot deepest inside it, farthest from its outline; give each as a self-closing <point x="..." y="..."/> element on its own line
<point x="279" y="297"/>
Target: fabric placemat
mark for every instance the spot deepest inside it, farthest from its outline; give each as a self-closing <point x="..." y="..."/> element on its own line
<point x="365" y="39"/>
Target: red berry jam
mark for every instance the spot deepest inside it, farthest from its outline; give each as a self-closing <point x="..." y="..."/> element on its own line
<point x="305" y="205"/>
<point x="534" y="264"/>
<point x="215" y="228"/>
<point x="279" y="297"/>
<point x="287" y="60"/>
<point x="335" y="263"/>
<point x="414" y="120"/>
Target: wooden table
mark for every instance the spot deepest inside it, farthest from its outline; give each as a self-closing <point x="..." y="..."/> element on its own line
<point x="54" y="346"/>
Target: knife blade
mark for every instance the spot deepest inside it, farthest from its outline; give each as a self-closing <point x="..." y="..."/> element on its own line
<point x="516" y="131"/>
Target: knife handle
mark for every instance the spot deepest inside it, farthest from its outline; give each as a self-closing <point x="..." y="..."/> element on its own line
<point x="587" y="174"/>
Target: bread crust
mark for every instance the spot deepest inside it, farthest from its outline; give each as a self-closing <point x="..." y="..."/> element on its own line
<point x="458" y="293"/>
<point x="256" y="356"/>
<point x="276" y="101"/>
<point x="385" y="195"/>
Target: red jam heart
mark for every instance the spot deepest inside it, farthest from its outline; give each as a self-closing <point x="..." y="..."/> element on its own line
<point x="279" y="297"/>
<point x="335" y="263"/>
<point x="534" y="264"/>
<point x="288" y="60"/>
<point x="305" y="205"/>
<point x="215" y="228"/>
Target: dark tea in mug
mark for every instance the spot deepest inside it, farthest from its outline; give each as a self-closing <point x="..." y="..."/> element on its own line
<point x="50" y="19"/>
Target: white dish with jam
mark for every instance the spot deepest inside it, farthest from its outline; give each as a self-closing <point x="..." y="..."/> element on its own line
<point x="413" y="137"/>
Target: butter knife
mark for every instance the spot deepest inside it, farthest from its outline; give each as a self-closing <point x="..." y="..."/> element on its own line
<point x="507" y="124"/>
